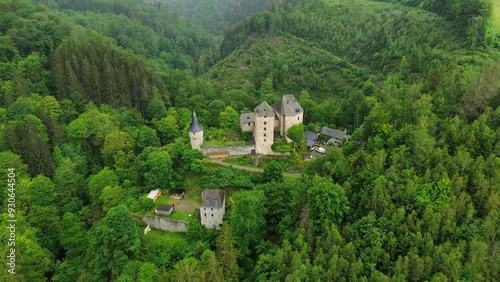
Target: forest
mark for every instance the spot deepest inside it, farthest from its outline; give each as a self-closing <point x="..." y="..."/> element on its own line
<point x="97" y="97"/>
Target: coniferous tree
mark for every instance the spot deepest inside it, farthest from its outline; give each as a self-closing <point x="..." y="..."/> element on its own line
<point x="227" y="254"/>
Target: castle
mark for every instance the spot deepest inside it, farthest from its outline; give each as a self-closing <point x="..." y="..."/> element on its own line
<point x="284" y="114"/>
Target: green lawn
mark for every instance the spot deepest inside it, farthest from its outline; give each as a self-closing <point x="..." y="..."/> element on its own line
<point x="181" y="215"/>
<point x="241" y="160"/>
<point x="162" y="235"/>
<point x="214" y="142"/>
<point x="285" y="162"/>
<point x="163" y="199"/>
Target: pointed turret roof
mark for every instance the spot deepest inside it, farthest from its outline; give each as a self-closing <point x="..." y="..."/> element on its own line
<point x="264" y="110"/>
<point x="195" y="125"/>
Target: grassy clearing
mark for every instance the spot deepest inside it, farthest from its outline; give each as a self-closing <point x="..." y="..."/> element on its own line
<point x="165" y="200"/>
<point x="161" y="235"/>
<point x="182" y="208"/>
<point x="181" y="215"/>
<point x="285" y="162"/>
<point x="214" y="142"/>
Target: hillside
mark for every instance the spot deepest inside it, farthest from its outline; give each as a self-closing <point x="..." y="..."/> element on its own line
<point x="97" y="97"/>
<point x="144" y="29"/>
<point x="367" y="33"/>
<point x="283" y="64"/>
<point x="496" y="13"/>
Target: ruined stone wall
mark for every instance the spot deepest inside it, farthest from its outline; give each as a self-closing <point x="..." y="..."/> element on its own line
<point x="168" y="224"/>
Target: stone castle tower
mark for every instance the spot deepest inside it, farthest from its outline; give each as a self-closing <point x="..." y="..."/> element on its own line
<point x="283" y="114"/>
<point x="195" y="133"/>
<point x="264" y="128"/>
<point x="289" y="113"/>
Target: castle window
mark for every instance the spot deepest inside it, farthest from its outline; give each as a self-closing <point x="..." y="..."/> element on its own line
<point x="265" y="135"/>
<point x="212" y="209"/>
<point x="298" y="118"/>
<point x="248" y="117"/>
<point x="265" y="129"/>
<point x="205" y="215"/>
<point x="248" y="124"/>
<point x="212" y="215"/>
<point x="264" y="140"/>
<point x="265" y="122"/>
<point x="194" y="138"/>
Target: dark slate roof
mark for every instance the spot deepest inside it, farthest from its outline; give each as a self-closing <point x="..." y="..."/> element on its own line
<point x="247" y="117"/>
<point x="310" y="143"/>
<point x="195" y="125"/>
<point x="334" y="133"/>
<point x="213" y="198"/>
<point x="164" y="207"/>
<point x="288" y="106"/>
<point x="176" y="191"/>
<point x="310" y="136"/>
<point x="264" y="110"/>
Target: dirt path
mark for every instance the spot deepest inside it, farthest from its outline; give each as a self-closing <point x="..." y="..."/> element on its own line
<point x="250" y="169"/>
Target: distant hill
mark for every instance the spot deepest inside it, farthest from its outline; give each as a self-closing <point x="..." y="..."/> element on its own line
<point x="214" y="15"/>
<point x="280" y="63"/>
<point x="145" y="29"/>
<point x="367" y="33"/>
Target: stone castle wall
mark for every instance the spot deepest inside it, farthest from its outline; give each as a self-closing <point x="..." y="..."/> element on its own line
<point x="232" y="150"/>
<point x="264" y="134"/>
<point x="168" y="224"/>
<point x="211" y="217"/>
<point x="290" y="121"/>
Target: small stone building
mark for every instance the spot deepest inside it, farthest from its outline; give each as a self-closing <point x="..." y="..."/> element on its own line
<point x="165" y="209"/>
<point x="213" y="207"/>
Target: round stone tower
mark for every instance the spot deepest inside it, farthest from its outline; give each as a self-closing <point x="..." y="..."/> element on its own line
<point x="195" y="133"/>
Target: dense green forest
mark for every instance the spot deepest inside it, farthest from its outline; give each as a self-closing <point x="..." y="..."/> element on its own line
<point x="97" y="97"/>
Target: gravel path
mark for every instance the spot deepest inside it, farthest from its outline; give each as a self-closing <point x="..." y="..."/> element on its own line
<point x="250" y="169"/>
